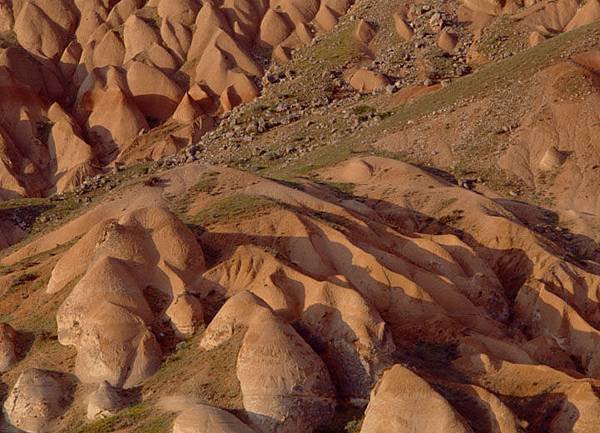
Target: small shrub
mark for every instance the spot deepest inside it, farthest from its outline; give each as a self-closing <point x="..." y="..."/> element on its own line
<point x="24" y="278"/>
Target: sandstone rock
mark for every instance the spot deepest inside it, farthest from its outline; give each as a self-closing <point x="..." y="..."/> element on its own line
<point x="399" y="401"/>
<point x="114" y="122"/>
<point x="326" y="19"/>
<point x="177" y="37"/>
<point x="489" y="7"/>
<point x="38" y="33"/>
<point x="178" y="11"/>
<point x="104" y="402"/>
<point x="69" y="59"/>
<point x="72" y="158"/>
<point x="122" y="11"/>
<point x="402" y="28"/>
<point x="366" y="81"/>
<point x="8" y="347"/>
<point x="201" y="418"/>
<point x="552" y="159"/>
<point x="274" y="28"/>
<point x="38" y="397"/>
<point x="187" y="110"/>
<point x="109" y="51"/>
<point x="155" y="94"/>
<point x="285" y="386"/>
<point x="587" y="14"/>
<point x="186" y="314"/>
<point x="7" y="19"/>
<point x="447" y="41"/>
<point x="121" y="261"/>
<point x="241" y="90"/>
<point x="137" y="36"/>
<point x="535" y="38"/>
<point x="162" y="59"/>
<point x="364" y="33"/>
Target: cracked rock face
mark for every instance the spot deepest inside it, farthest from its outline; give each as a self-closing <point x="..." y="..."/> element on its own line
<point x="137" y="273"/>
<point x="38" y="398"/>
<point x="200" y="418"/>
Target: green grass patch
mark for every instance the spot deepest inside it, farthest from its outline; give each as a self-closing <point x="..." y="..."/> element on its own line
<point x="126" y="418"/>
<point x="501" y="37"/>
<point x="206" y="185"/>
<point x="492" y="77"/>
<point x="321" y="157"/>
<point x="231" y="208"/>
<point x="334" y="49"/>
<point x="446" y="203"/>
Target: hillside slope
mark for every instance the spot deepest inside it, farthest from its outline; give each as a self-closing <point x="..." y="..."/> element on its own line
<point x="300" y="216"/>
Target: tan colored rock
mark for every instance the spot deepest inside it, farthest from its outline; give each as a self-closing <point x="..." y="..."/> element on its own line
<point x="552" y="159"/>
<point x="72" y="158"/>
<point x="8" y="347"/>
<point x="241" y="90"/>
<point x="524" y="381"/>
<point x="155" y="94"/>
<point x="285" y="385"/>
<point x="105" y="401"/>
<point x="122" y="260"/>
<point x="42" y="77"/>
<point x="209" y="22"/>
<point x="326" y="19"/>
<point x="492" y="413"/>
<point x="91" y="18"/>
<point x="201" y="418"/>
<point x="399" y="402"/>
<point x="60" y="12"/>
<point x="366" y="81"/>
<point x="70" y="59"/>
<point x="281" y="55"/>
<point x="339" y="7"/>
<point x="7" y="20"/>
<point x="299" y="11"/>
<point x="536" y="38"/>
<point x="187" y="110"/>
<point x="553" y="16"/>
<point x="114" y="122"/>
<point x="122" y="11"/>
<point x="113" y="341"/>
<point x="586" y="14"/>
<point x="186" y="314"/>
<point x="177" y="37"/>
<point x="489" y="7"/>
<point x="109" y="51"/>
<point x="11" y="186"/>
<point x="38" y="398"/>
<point x="224" y="62"/>
<point x="447" y="41"/>
<point x="162" y="59"/>
<point x="402" y="28"/>
<point x="137" y="36"/>
<point x="37" y="33"/>
<point x="274" y="28"/>
<point x="178" y="11"/>
<point x="364" y="33"/>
